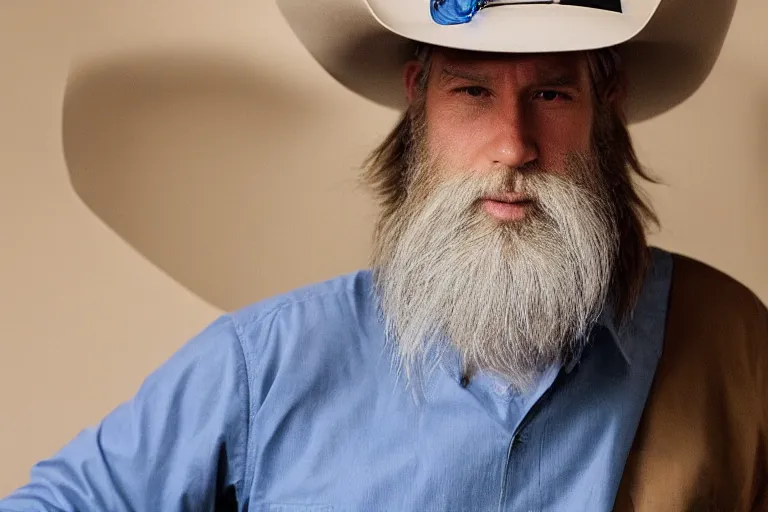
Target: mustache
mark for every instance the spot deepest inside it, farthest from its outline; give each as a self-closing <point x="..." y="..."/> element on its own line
<point x="579" y="168"/>
<point x="532" y="183"/>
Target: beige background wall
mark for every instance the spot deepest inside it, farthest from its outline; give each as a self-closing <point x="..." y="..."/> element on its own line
<point x="164" y="161"/>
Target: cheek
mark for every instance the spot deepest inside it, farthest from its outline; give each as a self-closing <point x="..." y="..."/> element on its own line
<point x="558" y="141"/>
<point x="453" y="139"/>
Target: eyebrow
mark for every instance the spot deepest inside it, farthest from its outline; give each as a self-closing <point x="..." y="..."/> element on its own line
<point x="448" y="73"/>
<point x="548" y="78"/>
<point x="558" y="78"/>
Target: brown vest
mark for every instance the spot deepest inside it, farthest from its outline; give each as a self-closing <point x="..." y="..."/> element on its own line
<point x="701" y="443"/>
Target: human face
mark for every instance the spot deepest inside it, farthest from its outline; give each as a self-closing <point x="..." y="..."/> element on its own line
<point x="486" y="111"/>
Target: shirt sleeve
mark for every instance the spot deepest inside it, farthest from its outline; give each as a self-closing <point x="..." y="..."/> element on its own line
<point x="178" y="444"/>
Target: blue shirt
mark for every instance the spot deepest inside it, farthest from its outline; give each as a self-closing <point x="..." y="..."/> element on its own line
<point x="293" y="405"/>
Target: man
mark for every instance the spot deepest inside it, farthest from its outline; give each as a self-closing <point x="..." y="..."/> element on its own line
<point x="516" y="344"/>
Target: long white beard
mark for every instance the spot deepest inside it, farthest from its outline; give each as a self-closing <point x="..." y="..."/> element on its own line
<point x="510" y="298"/>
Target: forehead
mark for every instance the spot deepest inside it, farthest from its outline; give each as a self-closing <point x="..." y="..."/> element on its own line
<point x="523" y="65"/>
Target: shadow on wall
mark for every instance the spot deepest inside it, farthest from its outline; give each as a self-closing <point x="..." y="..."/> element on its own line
<point x="221" y="176"/>
<point x="763" y="134"/>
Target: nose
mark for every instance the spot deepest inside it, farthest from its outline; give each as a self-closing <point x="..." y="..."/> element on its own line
<point x="512" y="143"/>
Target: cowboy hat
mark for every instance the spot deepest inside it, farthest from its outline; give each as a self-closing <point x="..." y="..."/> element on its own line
<point x="668" y="47"/>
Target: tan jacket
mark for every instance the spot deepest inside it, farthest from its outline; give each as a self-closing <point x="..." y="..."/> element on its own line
<point x="701" y="443"/>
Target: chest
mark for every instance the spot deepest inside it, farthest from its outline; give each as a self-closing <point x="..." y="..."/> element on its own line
<point x="372" y="447"/>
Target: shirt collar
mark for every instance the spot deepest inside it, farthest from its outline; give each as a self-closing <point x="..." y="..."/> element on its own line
<point x="633" y="338"/>
<point x="450" y="361"/>
<point x="605" y="326"/>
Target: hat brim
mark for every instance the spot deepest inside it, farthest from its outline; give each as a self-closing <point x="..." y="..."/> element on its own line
<point x="668" y="46"/>
<point x="524" y="28"/>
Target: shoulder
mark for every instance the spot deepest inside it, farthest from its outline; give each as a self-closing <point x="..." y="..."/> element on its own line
<point x="705" y="289"/>
<point x="334" y="296"/>
<point x="328" y="310"/>
<point x="715" y="320"/>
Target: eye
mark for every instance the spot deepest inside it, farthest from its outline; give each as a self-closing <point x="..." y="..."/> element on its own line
<point x="474" y="91"/>
<point x="550" y="95"/>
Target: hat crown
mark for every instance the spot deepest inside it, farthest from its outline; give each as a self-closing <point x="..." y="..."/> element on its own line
<point x="667" y="53"/>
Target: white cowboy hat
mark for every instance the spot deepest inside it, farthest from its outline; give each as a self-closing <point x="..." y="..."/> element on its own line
<point x="668" y="46"/>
